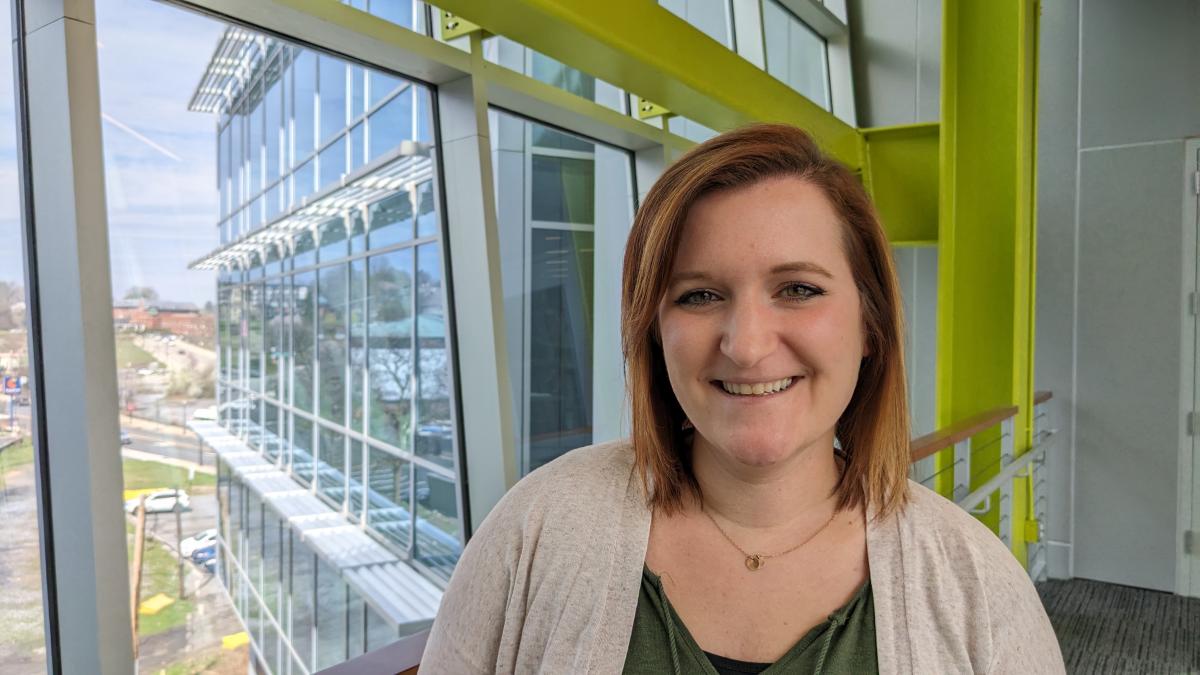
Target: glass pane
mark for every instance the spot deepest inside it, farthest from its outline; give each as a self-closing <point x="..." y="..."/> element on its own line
<point x="389" y="340"/>
<point x="380" y="631"/>
<point x="391" y="220"/>
<point x="272" y="349"/>
<point x="331" y="164"/>
<point x="333" y="96"/>
<point x="435" y="430"/>
<point x="795" y="53"/>
<point x="515" y="56"/>
<point x="710" y="16"/>
<point x="332" y="466"/>
<point x="331" y="338"/>
<point x="304" y="118"/>
<point x="22" y="639"/>
<point x="564" y="189"/>
<point x="391" y="124"/>
<point x="555" y="199"/>
<point x="304" y="292"/>
<point x="331" y="616"/>
<point x="438" y="528"/>
<point x="400" y="12"/>
<point x="303" y="588"/>
<point x="388" y="506"/>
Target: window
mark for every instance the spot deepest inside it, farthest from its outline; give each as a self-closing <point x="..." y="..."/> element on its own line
<point x="713" y="17"/>
<point x="796" y="55"/>
<point x="554" y="198"/>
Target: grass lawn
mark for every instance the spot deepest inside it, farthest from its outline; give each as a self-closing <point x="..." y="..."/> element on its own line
<point x="141" y="475"/>
<point x="16" y="455"/>
<point x="160" y="574"/>
<point x="216" y="662"/>
<point x="130" y="355"/>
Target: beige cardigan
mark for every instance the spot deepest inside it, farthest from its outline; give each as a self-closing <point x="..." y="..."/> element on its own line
<point x="549" y="583"/>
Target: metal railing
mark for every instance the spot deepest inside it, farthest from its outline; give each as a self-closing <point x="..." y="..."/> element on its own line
<point x="998" y="475"/>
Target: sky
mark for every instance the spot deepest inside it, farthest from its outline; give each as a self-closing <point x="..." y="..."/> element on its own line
<point x="160" y="159"/>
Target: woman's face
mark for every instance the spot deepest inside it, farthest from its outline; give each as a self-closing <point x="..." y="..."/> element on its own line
<point x="761" y="326"/>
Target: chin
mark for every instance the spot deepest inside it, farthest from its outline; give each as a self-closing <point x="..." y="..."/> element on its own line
<point x="758" y="450"/>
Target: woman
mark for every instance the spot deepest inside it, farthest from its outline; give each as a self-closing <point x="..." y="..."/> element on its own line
<point x="760" y="519"/>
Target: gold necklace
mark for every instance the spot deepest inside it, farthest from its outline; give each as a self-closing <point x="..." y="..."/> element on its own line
<point x="755" y="561"/>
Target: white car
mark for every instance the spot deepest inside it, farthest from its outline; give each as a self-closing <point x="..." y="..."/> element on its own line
<point x="162" y="501"/>
<point x="200" y="540"/>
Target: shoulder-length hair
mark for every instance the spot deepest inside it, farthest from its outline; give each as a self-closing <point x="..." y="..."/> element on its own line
<point x="873" y="431"/>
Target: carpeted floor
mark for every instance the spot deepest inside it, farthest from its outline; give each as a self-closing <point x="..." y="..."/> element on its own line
<point x="1106" y="628"/>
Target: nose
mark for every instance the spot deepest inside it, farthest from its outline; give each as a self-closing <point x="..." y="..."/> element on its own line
<point x="749" y="334"/>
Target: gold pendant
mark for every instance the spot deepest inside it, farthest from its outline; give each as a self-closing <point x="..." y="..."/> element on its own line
<point x="754" y="562"/>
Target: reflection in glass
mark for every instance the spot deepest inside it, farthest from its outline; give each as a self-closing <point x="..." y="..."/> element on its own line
<point x="331" y="341"/>
<point x="303" y="326"/>
<point x="389" y="337"/>
<point x="388" y="502"/>
<point x="331" y="478"/>
<point x="302" y="444"/>
<point x="437" y="544"/>
<point x="435" y="431"/>
<point x="302" y="589"/>
<point x="331" y="616"/>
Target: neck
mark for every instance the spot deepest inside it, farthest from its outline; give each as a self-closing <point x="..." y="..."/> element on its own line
<point x="783" y="495"/>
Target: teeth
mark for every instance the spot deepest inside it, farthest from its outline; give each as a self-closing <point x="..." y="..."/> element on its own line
<point x="757" y="389"/>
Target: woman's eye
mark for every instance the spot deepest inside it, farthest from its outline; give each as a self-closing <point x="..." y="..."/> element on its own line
<point x="800" y="292"/>
<point x="697" y="298"/>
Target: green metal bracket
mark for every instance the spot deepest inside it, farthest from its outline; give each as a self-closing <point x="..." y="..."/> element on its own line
<point x="454" y="26"/>
<point x="649" y="110"/>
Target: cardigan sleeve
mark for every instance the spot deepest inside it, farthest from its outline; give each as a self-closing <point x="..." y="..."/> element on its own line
<point x="1023" y="641"/>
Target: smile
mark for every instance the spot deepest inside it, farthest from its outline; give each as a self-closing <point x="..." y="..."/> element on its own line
<point x="757" y="388"/>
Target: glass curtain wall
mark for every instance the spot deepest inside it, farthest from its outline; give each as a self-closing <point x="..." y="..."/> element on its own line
<point x="556" y="193"/>
<point x="22" y="638"/>
<point x="294" y="309"/>
<point x="796" y="54"/>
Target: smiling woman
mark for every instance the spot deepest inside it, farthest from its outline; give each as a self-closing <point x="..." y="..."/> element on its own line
<point x="760" y="519"/>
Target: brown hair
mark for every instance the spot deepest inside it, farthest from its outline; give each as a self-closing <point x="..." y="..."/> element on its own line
<point x="873" y="430"/>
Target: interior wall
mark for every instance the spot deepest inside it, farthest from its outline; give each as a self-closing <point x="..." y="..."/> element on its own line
<point x="1110" y="285"/>
<point x="1054" y="362"/>
<point x="896" y="52"/>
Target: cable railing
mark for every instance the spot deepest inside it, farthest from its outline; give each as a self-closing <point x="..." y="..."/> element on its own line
<point x="994" y="476"/>
<point x="402" y="657"/>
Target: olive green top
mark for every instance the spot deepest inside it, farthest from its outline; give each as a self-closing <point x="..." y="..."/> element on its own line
<point x="845" y="643"/>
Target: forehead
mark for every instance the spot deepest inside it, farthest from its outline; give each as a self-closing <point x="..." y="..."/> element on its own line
<point x="772" y="221"/>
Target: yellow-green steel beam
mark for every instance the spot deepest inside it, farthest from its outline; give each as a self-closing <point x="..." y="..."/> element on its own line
<point x="986" y="223"/>
<point x="902" y="175"/>
<point x="642" y="48"/>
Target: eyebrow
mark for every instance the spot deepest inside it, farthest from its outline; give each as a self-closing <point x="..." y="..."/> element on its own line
<point x="798" y="266"/>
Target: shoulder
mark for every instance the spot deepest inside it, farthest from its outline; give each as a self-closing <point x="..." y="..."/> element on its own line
<point x="952" y="567"/>
<point x="580" y="487"/>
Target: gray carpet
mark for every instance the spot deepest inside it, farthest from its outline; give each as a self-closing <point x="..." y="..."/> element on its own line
<point x="1106" y="628"/>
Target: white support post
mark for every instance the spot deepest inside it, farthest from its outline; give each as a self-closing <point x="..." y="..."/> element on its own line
<point x="84" y="565"/>
<point x="474" y="247"/>
<point x="962" y="468"/>
<point x="1007" y="441"/>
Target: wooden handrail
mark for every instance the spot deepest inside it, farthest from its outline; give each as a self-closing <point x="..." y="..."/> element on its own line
<point x="398" y="658"/>
<point x="959" y="431"/>
<point x="1042" y="396"/>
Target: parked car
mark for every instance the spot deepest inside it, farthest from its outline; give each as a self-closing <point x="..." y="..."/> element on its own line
<point x="210" y="565"/>
<point x="198" y="541"/>
<point x="162" y="501"/>
<point x="125" y="439"/>
<point x="204" y="554"/>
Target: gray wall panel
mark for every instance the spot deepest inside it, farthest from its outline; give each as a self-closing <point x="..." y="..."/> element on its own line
<point x="1130" y="287"/>
<point x="1139" y="71"/>
<point x="1058" y="103"/>
<point x="896" y="48"/>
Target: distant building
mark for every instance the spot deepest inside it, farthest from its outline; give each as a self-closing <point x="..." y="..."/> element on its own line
<point x="179" y="318"/>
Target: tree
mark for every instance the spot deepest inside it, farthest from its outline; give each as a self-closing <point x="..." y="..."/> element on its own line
<point x="141" y="293"/>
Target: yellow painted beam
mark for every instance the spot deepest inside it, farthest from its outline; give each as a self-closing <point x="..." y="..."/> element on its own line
<point x="902" y="176"/>
<point x="642" y="48"/>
